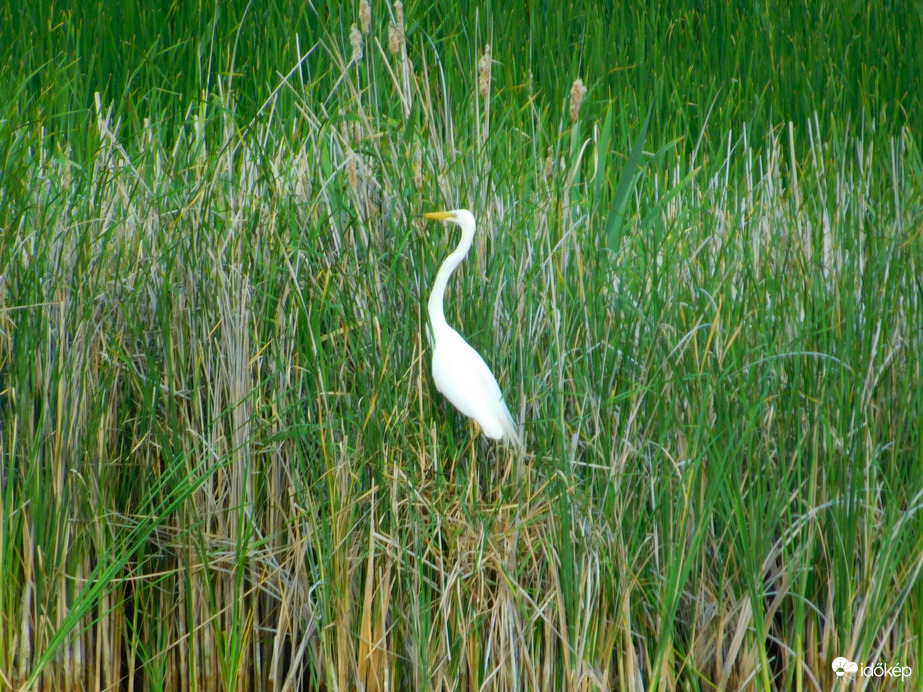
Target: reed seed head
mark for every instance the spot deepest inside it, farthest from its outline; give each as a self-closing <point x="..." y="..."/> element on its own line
<point x="352" y="174"/>
<point x="365" y="16"/>
<point x="484" y="72"/>
<point x="396" y="29"/>
<point x="355" y="40"/>
<point x="577" y="92"/>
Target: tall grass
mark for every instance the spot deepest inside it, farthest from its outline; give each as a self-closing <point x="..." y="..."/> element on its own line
<point x="773" y="61"/>
<point x="224" y="465"/>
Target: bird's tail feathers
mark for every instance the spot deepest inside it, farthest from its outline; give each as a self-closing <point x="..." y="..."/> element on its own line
<point x="510" y="433"/>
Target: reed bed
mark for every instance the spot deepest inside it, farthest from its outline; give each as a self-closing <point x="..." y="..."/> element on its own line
<point x="224" y="463"/>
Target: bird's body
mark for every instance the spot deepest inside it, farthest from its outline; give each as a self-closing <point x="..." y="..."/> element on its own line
<point x="459" y="371"/>
<point x="464" y="379"/>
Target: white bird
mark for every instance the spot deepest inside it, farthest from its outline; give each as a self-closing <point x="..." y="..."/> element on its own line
<point x="458" y="370"/>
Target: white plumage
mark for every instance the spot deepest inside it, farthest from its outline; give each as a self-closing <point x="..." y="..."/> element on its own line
<point x="458" y="370"/>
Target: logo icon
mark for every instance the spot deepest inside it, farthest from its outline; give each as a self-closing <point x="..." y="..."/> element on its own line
<point x="842" y="666"/>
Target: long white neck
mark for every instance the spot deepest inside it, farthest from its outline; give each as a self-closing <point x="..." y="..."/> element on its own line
<point x="436" y="311"/>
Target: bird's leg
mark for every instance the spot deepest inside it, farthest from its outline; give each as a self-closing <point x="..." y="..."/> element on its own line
<point x="475" y="431"/>
<point x="473" y="485"/>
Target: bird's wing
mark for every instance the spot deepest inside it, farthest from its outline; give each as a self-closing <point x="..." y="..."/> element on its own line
<point x="464" y="378"/>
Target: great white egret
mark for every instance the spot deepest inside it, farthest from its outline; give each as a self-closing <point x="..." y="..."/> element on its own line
<point x="458" y="370"/>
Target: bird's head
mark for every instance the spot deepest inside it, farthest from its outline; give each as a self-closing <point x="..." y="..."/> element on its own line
<point x="460" y="217"/>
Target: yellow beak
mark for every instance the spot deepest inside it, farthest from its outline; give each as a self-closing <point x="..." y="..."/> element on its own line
<point x="437" y="215"/>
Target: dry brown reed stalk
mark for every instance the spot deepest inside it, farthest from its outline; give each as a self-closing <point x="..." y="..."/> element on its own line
<point x="418" y="168"/>
<point x="375" y="661"/>
<point x="397" y="45"/>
